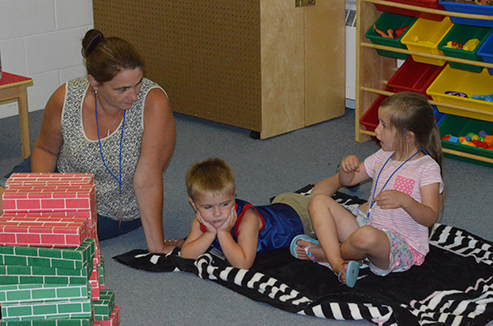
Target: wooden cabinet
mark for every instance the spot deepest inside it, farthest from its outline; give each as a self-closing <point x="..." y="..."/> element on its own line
<point x="263" y="65"/>
<point x="373" y="71"/>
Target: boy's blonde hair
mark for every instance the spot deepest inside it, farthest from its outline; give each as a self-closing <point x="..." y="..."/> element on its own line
<point x="210" y="176"/>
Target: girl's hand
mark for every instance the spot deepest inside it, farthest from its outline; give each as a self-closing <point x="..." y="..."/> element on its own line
<point x="350" y="164"/>
<point x="391" y="199"/>
<point x="230" y="222"/>
<point x="208" y="227"/>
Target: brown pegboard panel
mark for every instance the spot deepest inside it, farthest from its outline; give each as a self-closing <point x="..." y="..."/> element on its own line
<point x="205" y="54"/>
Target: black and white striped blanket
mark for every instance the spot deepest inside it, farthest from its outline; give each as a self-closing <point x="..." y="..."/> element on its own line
<point x="453" y="287"/>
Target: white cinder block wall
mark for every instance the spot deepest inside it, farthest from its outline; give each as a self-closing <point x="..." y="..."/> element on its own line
<point x="41" y="39"/>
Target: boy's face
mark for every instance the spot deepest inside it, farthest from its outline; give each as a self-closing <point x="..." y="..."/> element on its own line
<point x="214" y="208"/>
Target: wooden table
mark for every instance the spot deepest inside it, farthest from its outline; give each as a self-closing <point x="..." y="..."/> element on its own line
<point x="14" y="87"/>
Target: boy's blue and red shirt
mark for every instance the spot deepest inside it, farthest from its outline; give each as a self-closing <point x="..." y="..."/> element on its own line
<point x="280" y="224"/>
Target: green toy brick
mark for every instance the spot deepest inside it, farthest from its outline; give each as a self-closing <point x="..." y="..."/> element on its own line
<point x="81" y="308"/>
<point x="69" y="258"/>
<point x="52" y="322"/>
<point x="104" y="306"/>
<point x="17" y="293"/>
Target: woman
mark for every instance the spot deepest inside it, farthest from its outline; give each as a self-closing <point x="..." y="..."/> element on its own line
<point x="119" y="126"/>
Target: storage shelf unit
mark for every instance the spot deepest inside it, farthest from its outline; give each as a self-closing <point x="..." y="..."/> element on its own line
<point x="373" y="71"/>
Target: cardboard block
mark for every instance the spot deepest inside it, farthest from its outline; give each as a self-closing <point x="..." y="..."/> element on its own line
<point x="104" y="306"/>
<point x="23" y="293"/>
<point x="113" y="321"/>
<point x="50" y="178"/>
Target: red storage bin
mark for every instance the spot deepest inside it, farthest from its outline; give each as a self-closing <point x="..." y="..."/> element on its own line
<point x="432" y="4"/>
<point x="415" y="77"/>
<point x="370" y="118"/>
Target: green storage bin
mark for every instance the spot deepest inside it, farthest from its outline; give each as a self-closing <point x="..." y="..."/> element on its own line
<point x="460" y="127"/>
<point x="461" y="34"/>
<point x="385" y="22"/>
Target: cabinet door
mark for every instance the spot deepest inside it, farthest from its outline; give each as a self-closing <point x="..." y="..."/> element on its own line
<point x="325" y="56"/>
<point x="303" y="64"/>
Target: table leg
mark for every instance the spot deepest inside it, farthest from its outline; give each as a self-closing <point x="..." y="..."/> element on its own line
<point x="24" y="123"/>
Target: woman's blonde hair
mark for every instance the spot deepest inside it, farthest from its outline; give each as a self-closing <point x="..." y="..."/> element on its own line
<point x="210" y="176"/>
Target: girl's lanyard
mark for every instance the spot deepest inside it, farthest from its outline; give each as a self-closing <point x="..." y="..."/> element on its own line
<point x="378" y="177"/>
<point x="119" y="180"/>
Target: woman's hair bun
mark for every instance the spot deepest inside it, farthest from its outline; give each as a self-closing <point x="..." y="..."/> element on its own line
<point x="91" y="40"/>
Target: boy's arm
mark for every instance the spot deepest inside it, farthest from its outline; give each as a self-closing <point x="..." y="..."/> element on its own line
<point x="197" y="241"/>
<point x="241" y="254"/>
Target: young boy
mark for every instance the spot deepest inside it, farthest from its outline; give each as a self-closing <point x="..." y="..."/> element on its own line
<point x="234" y="226"/>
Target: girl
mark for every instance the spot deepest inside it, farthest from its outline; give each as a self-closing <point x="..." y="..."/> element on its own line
<point x="403" y="204"/>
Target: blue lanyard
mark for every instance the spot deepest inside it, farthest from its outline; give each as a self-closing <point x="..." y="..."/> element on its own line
<point x="378" y="177"/>
<point x="119" y="180"/>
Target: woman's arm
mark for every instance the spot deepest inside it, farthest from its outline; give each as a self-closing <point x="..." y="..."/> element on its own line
<point x="241" y="254"/>
<point x="47" y="146"/>
<point x="157" y="146"/>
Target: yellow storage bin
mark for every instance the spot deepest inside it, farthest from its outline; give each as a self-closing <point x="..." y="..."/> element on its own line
<point x="468" y="83"/>
<point x="424" y="37"/>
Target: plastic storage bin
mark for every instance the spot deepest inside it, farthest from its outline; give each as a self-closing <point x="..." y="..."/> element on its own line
<point x="432" y="4"/>
<point x="390" y="21"/>
<point x="370" y="118"/>
<point x="461" y="34"/>
<point x="413" y="76"/>
<point x="439" y="116"/>
<point x="459" y="127"/>
<point x="462" y="81"/>
<point x="468" y="8"/>
<point x="486" y="51"/>
<point x="424" y="37"/>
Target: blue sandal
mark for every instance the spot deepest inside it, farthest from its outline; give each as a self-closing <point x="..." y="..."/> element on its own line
<point x="294" y="245"/>
<point x="352" y="272"/>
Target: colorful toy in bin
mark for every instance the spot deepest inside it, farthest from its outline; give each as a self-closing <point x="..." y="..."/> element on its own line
<point x="464" y="42"/>
<point x="388" y="21"/>
<point x="460" y="127"/>
<point x="480" y="140"/>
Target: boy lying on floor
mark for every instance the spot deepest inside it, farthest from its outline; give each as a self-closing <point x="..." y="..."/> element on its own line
<point x="234" y="226"/>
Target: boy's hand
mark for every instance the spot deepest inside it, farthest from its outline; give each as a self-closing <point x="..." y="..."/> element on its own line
<point x="208" y="227"/>
<point x="391" y="199"/>
<point x="230" y="222"/>
<point x="350" y="164"/>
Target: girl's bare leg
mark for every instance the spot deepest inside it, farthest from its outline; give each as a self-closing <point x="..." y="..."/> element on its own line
<point x="332" y="224"/>
<point x="367" y="242"/>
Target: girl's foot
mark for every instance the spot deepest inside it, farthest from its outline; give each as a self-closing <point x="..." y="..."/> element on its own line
<point x="304" y="247"/>
<point x="349" y="273"/>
